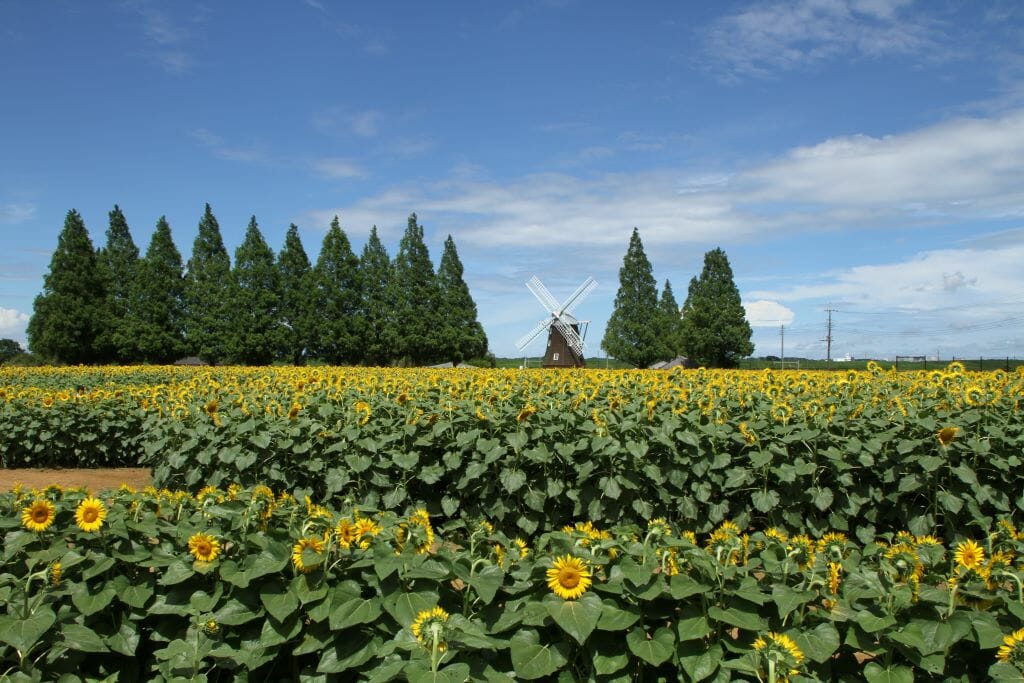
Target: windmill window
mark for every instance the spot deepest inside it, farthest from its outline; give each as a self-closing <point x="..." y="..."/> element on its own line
<point x="554" y="356"/>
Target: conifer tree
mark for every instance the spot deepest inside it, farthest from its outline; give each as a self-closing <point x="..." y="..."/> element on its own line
<point x="297" y="309"/>
<point x="416" y="298"/>
<point x="461" y="336"/>
<point x="207" y="289"/>
<point x="672" y="321"/>
<point x="715" y="330"/>
<point x="338" y="327"/>
<point x="63" y="327"/>
<point x="117" y="263"/>
<point x="255" y="302"/>
<point x="377" y="308"/>
<point x="634" y="328"/>
<point x="158" y="299"/>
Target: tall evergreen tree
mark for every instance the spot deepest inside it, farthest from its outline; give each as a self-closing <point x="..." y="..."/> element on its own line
<point x="117" y="263"/>
<point x="416" y="303"/>
<point x="297" y="308"/>
<point x="672" y="321"/>
<point x="255" y="302"/>
<point x="338" y="327"/>
<point x="158" y="299"/>
<point x="715" y="330"/>
<point x="66" y="314"/>
<point x="207" y="289"/>
<point x="377" y="309"/>
<point x="633" y="333"/>
<point x="461" y="336"/>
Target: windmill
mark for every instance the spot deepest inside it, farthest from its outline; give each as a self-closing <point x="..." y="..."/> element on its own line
<point x="565" y="332"/>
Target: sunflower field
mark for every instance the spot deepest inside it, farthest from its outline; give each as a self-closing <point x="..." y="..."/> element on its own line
<point x="449" y="525"/>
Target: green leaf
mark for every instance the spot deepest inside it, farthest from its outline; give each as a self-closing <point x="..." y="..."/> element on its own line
<point x="347" y="652"/>
<point x="82" y="638"/>
<point x="88" y="602"/>
<point x="486" y="582"/>
<point x="788" y="599"/>
<point x="682" y="586"/>
<point x="874" y="673"/>
<point x="692" y="624"/>
<point x="22" y="634"/>
<point x="924" y="635"/>
<point x="176" y="572"/>
<point x="698" y="662"/>
<point x="873" y="623"/>
<point x="512" y="479"/>
<point x="457" y="672"/>
<point x="576" y="617"/>
<point x="653" y="649"/>
<point x="405" y="606"/>
<point x="531" y="660"/>
<point x="614" y="618"/>
<point x="986" y="629"/>
<point x="356" y="610"/>
<point x="765" y="501"/>
<point x="746" y="619"/>
<point x="279" y="601"/>
<point x="405" y="460"/>
<point x="819" y="643"/>
<point x="609" y="654"/>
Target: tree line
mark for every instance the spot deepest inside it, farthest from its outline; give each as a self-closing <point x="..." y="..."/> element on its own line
<point x="710" y="329"/>
<point x="111" y="305"/>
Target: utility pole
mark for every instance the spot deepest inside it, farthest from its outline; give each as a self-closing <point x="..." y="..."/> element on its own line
<point x="782" y="345"/>
<point x="828" y="337"/>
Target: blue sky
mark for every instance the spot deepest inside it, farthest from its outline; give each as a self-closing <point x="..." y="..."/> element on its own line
<point x="861" y="155"/>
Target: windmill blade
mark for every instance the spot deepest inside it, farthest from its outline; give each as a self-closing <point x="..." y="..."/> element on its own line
<point x="571" y="338"/>
<point x="543" y="295"/>
<point x="579" y="295"/>
<point x="532" y="334"/>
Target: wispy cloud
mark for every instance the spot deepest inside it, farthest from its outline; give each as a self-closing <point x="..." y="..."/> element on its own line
<point x="364" y="124"/>
<point x="371" y="40"/>
<point x="222" y="150"/>
<point x="14" y="213"/>
<point x="766" y="37"/>
<point x="166" y="39"/>
<point x="338" y="168"/>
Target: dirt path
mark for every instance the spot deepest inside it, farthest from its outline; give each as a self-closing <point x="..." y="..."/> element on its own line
<point x="94" y="480"/>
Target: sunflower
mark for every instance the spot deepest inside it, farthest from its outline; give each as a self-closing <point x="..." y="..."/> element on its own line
<point x="55" y="573"/>
<point x="782" y="651"/>
<point x="347" y="532"/>
<point x="89" y="514"/>
<point x="39" y="515"/>
<point x="969" y="555"/>
<point x="1012" y="649"/>
<point x="204" y="547"/>
<point x="293" y="412"/>
<point x="524" y="414"/>
<point x="299" y="557"/>
<point x="947" y="434"/>
<point x="428" y="625"/>
<point x="568" y="578"/>
<point x="835" y="573"/>
<point x="364" y="410"/>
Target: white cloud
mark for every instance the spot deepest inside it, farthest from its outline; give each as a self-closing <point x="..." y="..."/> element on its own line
<point x="787" y="35"/>
<point x="964" y="166"/>
<point x="13" y="323"/>
<point x="764" y="313"/>
<point x="338" y="168"/>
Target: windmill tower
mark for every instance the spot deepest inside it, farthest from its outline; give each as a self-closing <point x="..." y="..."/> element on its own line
<point x="565" y="332"/>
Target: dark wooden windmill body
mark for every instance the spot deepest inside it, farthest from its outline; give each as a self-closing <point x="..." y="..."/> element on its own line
<point x="565" y="332"/>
